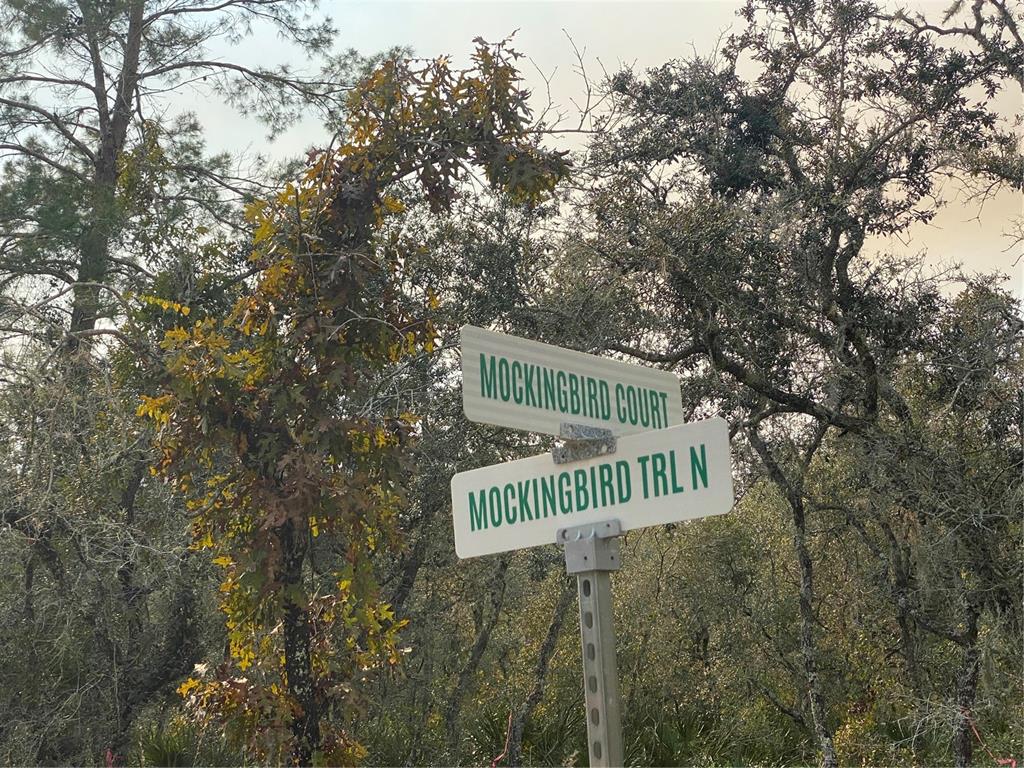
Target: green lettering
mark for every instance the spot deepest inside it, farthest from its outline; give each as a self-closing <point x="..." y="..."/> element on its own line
<point x="658" y="473"/>
<point x="574" y="394"/>
<point x="607" y="485"/>
<point x="699" y="466"/>
<point x="510" y="511"/>
<point x="642" y="461"/>
<point x="488" y="378"/>
<point x="547" y="487"/>
<point x="531" y="395"/>
<point x="676" y="487"/>
<point x="644" y="408"/>
<point x="655" y="410"/>
<point x="549" y="389"/>
<point x="565" y="493"/>
<point x="525" y="513"/>
<point x="590" y="408"/>
<point x="477" y="511"/>
<point x="624" y="482"/>
<point x="504" y="385"/>
<point x="517" y="382"/>
<point x="620" y="407"/>
<point x="631" y="404"/>
<point x="494" y="502"/>
<point x="580" y="488"/>
<point x="563" y="394"/>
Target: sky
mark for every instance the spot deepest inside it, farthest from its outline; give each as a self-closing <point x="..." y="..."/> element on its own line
<point x="609" y="35"/>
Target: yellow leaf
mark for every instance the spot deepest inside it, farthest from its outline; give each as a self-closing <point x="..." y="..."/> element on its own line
<point x="264" y="231"/>
<point x="392" y="205"/>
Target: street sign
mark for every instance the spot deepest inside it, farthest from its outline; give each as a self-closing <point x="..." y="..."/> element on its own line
<point x="514" y="382"/>
<point x="662" y="476"/>
<point x="634" y="470"/>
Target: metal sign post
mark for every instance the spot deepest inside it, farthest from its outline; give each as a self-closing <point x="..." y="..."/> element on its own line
<point x="591" y="554"/>
<point x="621" y="427"/>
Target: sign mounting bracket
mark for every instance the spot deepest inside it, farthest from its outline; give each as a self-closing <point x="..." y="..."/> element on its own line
<point x="583" y="442"/>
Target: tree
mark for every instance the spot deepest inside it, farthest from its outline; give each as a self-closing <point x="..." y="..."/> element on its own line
<point x="102" y="609"/>
<point x="91" y="157"/>
<point x="736" y="209"/>
<point x="948" y="495"/>
<point x="276" y="420"/>
<point x="104" y="193"/>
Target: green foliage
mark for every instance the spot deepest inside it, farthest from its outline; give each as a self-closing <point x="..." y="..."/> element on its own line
<point x="181" y="745"/>
<point x="299" y="589"/>
<point x="269" y="419"/>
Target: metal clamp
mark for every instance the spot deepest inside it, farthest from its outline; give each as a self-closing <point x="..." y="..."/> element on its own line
<point x="592" y="547"/>
<point x="583" y="442"/>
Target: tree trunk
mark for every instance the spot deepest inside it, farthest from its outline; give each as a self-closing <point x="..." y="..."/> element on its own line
<point x="412" y="563"/>
<point x="94" y="256"/>
<point x="297" y="646"/>
<point x="430" y="502"/>
<point x="807" y="644"/>
<point x="966" y="689"/>
<point x="94" y="259"/>
<point x="540" y="672"/>
<point x="133" y="598"/>
<point x="476" y="653"/>
<point x="793" y="494"/>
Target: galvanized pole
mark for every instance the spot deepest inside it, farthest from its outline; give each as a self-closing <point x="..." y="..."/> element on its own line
<point x="591" y="554"/>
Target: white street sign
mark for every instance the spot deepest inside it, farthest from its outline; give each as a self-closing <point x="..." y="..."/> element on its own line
<point x="662" y="476"/>
<point x="528" y="385"/>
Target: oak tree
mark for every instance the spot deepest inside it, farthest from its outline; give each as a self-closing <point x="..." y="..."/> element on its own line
<point x="276" y="419"/>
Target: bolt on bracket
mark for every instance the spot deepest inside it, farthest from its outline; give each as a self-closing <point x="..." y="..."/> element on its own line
<point x="582" y="442"/>
<point x="592" y="547"/>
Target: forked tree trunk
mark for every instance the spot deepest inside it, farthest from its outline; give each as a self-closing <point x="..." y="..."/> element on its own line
<point x="792" y="491"/>
<point x="476" y="653"/>
<point x="540" y="672"/>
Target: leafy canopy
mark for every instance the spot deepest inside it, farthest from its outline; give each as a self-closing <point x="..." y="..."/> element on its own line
<point x="271" y="418"/>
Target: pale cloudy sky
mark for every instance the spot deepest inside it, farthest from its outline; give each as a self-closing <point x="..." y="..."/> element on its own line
<point x="609" y="34"/>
